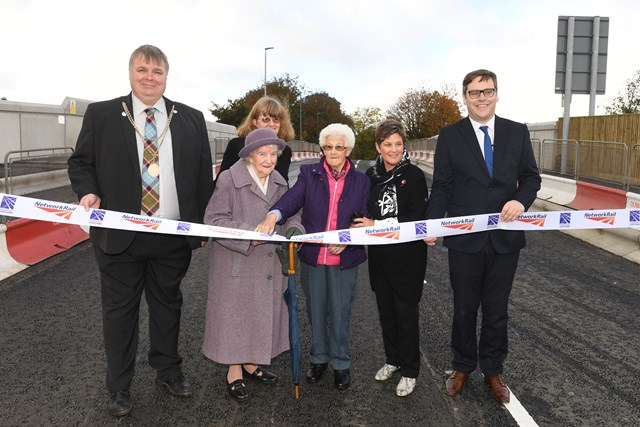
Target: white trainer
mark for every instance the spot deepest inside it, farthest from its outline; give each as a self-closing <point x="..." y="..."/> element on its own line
<point x="386" y="372"/>
<point x="405" y="386"/>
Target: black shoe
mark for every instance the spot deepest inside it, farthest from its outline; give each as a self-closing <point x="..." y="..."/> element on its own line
<point x="238" y="390"/>
<point x="261" y="375"/>
<point x="119" y="403"/>
<point x="177" y="386"/>
<point x="342" y="379"/>
<point x="315" y="372"/>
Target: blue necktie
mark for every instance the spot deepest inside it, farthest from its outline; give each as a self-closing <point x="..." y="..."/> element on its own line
<point x="488" y="150"/>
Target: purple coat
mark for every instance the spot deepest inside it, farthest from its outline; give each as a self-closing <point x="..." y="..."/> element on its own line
<point x="311" y="193"/>
<point x="246" y="319"/>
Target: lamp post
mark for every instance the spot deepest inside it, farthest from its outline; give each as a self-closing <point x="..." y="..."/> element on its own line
<point x="265" y="68"/>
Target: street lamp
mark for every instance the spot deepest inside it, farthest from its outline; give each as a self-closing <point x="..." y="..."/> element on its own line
<point x="265" y="68"/>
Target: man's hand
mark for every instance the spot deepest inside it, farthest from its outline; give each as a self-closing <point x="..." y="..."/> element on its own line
<point x="511" y="210"/>
<point x="90" y="201"/>
<point x="430" y="241"/>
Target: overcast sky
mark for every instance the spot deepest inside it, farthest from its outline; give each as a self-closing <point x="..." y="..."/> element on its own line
<point x="364" y="53"/>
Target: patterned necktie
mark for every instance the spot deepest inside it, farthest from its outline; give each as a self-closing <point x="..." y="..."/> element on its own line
<point x="150" y="166"/>
<point x="488" y="149"/>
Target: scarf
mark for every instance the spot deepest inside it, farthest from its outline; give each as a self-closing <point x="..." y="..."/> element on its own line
<point x="386" y="204"/>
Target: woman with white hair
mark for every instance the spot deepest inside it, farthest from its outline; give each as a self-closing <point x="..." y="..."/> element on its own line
<point x="330" y="193"/>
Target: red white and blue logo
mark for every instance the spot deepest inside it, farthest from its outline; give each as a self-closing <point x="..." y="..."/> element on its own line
<point x="604" y="217"/>
<point x="149" y="223"/>
<point x="61" y="211"/>
<point x="536" y="219"/>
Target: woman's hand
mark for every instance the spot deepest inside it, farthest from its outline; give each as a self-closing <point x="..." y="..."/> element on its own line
<point x="336" y="249"/>
<point x="267" y="226"/>
<point x="362" y="222"/>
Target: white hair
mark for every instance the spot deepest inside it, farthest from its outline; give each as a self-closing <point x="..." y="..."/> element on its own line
<point x="338" y="129"/>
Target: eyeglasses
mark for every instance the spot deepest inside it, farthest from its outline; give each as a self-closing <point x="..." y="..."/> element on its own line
<point x="338" y="148"/>
<point x="488" y="93"/>
<point x="267" y="119"/>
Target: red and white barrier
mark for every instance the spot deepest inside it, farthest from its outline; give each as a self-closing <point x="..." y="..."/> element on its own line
<point x="25" y="242"/>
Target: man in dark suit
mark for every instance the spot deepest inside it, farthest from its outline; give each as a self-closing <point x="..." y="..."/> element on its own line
<point x="483" y="164"/>
<point x="146" y="155"/>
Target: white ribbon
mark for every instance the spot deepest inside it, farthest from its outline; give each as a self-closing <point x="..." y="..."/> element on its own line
<point x="43" y="210"/>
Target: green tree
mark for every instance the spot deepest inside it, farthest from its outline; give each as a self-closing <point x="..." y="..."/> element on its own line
<point x="365" y="121"/>
<point x="286" y="89"/>
<point x="318" y="110"/>
<point x="424" y="112"/>
<point x="627" y="101"/>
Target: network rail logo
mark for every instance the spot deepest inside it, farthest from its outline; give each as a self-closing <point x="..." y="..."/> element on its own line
<point x="149" y="223"/>
<point x="604" y="217"/>
<point x="387" y="232"/>
<point x="183" y="228"/>
<point x="7" y="204"/>
<point x="634" y="217"/>
<point x="565" y="220"/>
<point x="536" y="219"/>
<point x="465" y="224"/>
<point x="421" y="229"/>
<point x="492" y="221"/>
<point x="97" y="216"/>
<point x="344" y="236"/>
<point x="59" y="210"/>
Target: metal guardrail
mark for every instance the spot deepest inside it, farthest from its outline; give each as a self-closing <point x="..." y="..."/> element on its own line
<point x="33" y="161"/>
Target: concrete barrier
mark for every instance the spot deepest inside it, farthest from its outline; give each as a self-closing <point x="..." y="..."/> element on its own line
<point x="8" y="265"/>
<point x="559" y="194"/>
<point x="29" y="241"/>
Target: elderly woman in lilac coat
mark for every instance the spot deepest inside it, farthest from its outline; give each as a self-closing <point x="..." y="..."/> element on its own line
<point x="246" y="319"/>
<point x="330" y="193"/>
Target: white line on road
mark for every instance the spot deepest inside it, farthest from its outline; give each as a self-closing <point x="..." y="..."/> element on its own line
<point x="518" y="412"/>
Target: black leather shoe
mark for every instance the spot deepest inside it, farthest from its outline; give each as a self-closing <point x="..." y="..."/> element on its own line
<point x="119" y="404"/>
<point x="177" y="386"/>
<point x="238" y="390"/>
<point x="261" y="375"/>
<point x="342" y="379"/>
<point x="315" y="372"/>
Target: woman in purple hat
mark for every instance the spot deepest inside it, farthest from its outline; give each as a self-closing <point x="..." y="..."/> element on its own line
<point x="246" y="319"/>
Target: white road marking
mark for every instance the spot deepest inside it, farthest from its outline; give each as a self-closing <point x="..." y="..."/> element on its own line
<point x="518" y="412"/>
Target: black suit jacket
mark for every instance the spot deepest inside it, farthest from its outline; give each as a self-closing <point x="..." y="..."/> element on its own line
<point x="462" y="185"/>
<point x="105" y="162"/>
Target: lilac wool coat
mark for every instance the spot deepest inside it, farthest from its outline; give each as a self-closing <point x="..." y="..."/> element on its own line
<point x="246" y="318"/>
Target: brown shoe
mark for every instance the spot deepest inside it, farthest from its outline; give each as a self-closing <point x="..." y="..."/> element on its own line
<point x="455" y="382"/>
<point x="499" y="389"/>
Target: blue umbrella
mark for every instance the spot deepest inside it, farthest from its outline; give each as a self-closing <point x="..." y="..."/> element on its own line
<point x="291" y="298"/>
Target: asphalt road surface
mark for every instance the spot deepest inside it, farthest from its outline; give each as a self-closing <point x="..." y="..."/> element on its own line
<point x="574" y="352"/>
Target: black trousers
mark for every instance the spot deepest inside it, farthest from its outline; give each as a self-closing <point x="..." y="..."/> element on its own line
<point x="155" y="264"/>
<point x="481" y="280"/>
<point x="398" y="285"/>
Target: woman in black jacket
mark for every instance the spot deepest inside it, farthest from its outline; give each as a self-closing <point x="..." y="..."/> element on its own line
<point x="396" y="271"/>
<point x="267" y="112"/>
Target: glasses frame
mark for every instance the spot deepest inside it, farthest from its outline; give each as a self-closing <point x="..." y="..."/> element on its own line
<point x="267" y="119"/>
<point x="337" y="148"/>
<point x="475" y="93"/>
